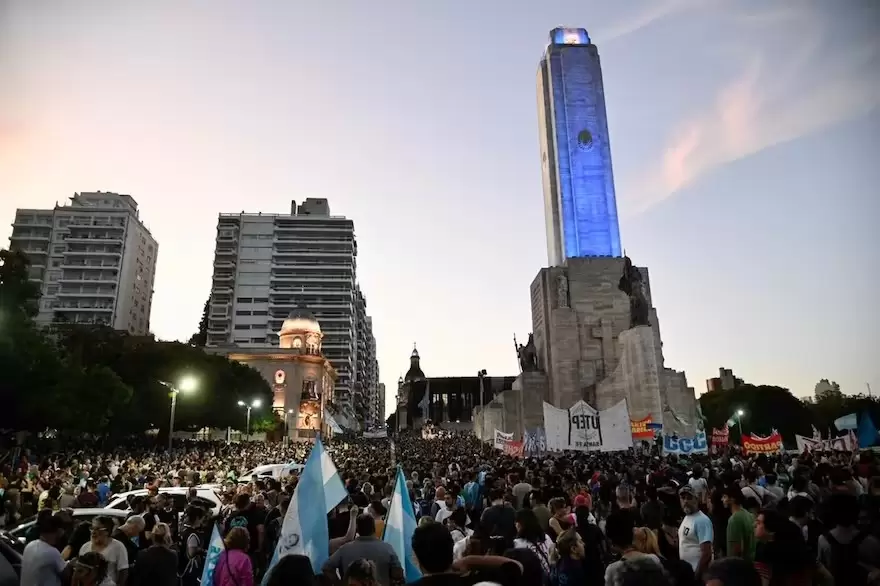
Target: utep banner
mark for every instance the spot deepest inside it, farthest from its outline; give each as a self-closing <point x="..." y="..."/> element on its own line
<point x="582" y="428"/>
<point x="755" y="444"/>
<point x="685" y="445"/>
<point x="641" y="429"/>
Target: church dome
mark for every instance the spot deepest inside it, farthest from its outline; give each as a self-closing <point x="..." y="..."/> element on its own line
<point x="301" y="331"/>
<point x="300" y="320"/>
<point x="415" y="371"/>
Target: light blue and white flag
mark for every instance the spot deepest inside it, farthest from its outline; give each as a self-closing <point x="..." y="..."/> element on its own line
<point x="400" y="525"/>
<point x="215" y="548"/>
<point x="850" y="421"/>
<point x="304" y="530"/>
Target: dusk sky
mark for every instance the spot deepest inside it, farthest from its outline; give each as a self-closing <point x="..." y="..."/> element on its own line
<point x="745" y="138"/>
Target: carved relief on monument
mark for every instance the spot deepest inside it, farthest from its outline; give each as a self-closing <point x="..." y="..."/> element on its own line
<point x="562" y="297"/>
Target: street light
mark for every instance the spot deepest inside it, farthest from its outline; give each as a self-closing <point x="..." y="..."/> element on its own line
<point x="287" y="415"/>
<point x="187" y="384"/>
<point x="255" y="403"/>
<point x="739" y="415"/>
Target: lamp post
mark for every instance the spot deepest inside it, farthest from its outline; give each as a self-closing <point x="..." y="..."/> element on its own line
<point x="287" y="415"/>
<point x="248" y="406"/>
<point x="481" y="374"/>
<point x="186" y="384"/>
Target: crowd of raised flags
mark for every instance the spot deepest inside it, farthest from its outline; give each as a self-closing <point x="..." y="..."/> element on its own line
<point x="304" y="530"/>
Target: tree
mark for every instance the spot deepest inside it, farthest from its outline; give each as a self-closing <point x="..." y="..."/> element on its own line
<point x="19" y="297"/>
<point x="200" y="338"/>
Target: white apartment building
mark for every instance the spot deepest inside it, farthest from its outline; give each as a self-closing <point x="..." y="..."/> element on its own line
<point x="94" y="259"/>
<point x="265" y="265"/>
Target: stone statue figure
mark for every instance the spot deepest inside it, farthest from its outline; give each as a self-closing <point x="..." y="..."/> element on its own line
<point x="562" y="291"/>
<point x="632" y="284"/>
<point x="528" y="355"/>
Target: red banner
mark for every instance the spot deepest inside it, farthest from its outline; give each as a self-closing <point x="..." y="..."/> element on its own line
<point x="640" y="429"/>
<point x="754" y="444"/>
<point x="720" y="437"/>
<point x="512" y="448"/>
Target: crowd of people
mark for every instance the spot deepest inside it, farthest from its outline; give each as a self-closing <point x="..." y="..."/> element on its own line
<point x="586" y="518"/>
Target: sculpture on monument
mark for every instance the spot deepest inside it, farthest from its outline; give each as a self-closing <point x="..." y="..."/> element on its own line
<point x="632" y="284"/>
<point x="562" y="291"/>
<point x="527" y="355"/>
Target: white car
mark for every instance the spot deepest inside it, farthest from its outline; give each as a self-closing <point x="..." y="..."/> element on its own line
<point x="178" y="495"/>
<point x="19" y="533"/>
<point x="275" y="471"/>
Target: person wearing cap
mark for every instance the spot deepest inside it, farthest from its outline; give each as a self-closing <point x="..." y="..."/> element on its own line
<point x="740" y="525"/>
<point x="695" y="533"/>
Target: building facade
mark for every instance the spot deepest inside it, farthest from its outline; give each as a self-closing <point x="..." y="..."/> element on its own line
<point x="94" y="260"/>
<point x="302" y="379"/>
<point x="725" y="381"/>
<point x="266" y="265"/>
<point x="579" y="199"/>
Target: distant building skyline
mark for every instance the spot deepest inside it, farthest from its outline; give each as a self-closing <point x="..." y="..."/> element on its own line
<point x="93" y="259"/>
<point x="580" y="206"/>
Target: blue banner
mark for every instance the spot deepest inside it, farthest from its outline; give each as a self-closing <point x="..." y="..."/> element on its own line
<point x="685" y="445"/>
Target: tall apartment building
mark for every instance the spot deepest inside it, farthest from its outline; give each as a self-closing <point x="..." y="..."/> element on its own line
<point x="265" y="265"/>
<point x="94" y="260"/>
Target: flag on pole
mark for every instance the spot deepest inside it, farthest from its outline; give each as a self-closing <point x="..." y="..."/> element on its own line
<point x="817" y="435"/>
<point x="304" y="530"/>
<point x="867" y="431"/>
<point x="400" y="526"/>
<point x="215" y="548"/>
<point x="850" y="421"/>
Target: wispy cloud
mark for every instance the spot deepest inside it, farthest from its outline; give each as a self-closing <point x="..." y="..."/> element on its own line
<point x="816" y="87"/>
<point x="653" y="11"/>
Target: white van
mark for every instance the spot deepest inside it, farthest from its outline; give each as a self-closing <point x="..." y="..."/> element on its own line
<point x="274" y="471"/>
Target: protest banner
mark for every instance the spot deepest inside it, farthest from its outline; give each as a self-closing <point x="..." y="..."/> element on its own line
<point x="682" y="446"/>
<point x="640" y="429"/>
<point x="721" y="437"/>
<point x="755" y="444"/>
<point x="583" y="428"/>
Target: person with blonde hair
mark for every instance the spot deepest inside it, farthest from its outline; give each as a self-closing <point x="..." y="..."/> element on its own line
<point x="156" y="565"/>
<point x="645" y="541"/>
<point x="234" y="566"/>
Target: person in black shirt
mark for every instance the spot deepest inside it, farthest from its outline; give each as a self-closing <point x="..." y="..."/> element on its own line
<point x="127" y="533"/>
<point x="165" y="513"/>
<point x="499" y="518"/>
<point x="246" y="516"/>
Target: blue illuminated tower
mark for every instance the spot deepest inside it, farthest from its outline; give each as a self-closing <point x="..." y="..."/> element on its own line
<point x="579" y="203"/>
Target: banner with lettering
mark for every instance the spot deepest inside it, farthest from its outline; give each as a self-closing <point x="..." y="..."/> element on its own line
<point x="721" y="437"/>
<point x="514" y="449"/>
<point x="501" y="439"/>
<point x="755" y="444"/>
<point x="673" y="444"/>
<point x="640" y="429"/>
<point x="582" y="428"/>
<point x="534" y="442"/>
<point x="844" y="443"/>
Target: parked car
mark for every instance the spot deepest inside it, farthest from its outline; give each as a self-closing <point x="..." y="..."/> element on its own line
<point x="276" y="471"/>
<point x="178" y="496"/>
<point x="17" y="536"/>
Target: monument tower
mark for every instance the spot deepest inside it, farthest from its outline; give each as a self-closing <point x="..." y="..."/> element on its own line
<point x="579" y="202"/>
<point x="596" y="331"/>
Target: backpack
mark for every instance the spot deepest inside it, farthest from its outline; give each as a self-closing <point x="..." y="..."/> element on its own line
<point x="845" y="561"/>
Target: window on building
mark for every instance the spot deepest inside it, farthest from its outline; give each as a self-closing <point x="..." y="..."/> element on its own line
<point x="243" y="326"/>
<point x="244" y="300"/>
<point x="261" y="300"/>
<point x="242" y="312"/>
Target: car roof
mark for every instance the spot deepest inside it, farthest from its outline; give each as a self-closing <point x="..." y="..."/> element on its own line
<point x="165" y="489"/>
<point x="95" y="511"/>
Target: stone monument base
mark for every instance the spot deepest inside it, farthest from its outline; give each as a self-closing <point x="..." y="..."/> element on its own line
<point x="522" y="407"/>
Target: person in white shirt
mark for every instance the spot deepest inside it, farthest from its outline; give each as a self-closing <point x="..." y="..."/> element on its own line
<point x="694" y="534"/>
<point x="41" y="563"/>
<point x="112" y="550"/>
<point x="698" y="483"/>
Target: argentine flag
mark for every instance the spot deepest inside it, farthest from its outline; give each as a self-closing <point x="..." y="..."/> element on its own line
<point x="304" y="530"/>
<point x="215" y="548"/>
<point x="400" y="525"/>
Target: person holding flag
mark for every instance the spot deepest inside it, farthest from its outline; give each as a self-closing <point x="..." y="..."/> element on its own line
<point x="400" y="526"/>
<point x="304" y="530"/>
